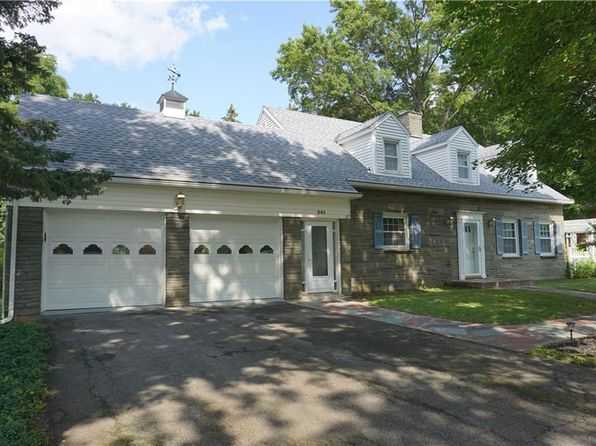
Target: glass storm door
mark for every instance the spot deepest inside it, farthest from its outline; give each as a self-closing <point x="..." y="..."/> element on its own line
<point x="471" y="249"/>
<point x="319" y="258"/>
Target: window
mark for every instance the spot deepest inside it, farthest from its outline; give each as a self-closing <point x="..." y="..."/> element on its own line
<point x="62" y="249"/>
<point x="463" y="165"/>
<point x="245" y="250"/>
<point x="266" y="250"/>
<point x="395" y="231"/>
<point x="510" y="238"/>
<point x="120" y="250"/>
<point x="147" y="250"/>
<point x="201" y="249"/>
<point x="92" y="249"/>
<point x="224" y="249"/>
<point x="391" y="155"/>
<point x="546" y="238"/>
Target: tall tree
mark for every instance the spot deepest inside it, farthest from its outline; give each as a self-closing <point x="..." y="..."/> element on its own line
<point x="231" y="115"/>
<point x="376" y="57"/>
<point x="193" y="113"/>
<point x="28" y="167"/>
<point x="86" y="97"/>
<point x="534" y="66"/>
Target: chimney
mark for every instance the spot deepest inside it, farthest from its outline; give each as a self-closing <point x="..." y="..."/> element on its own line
<point x="413" y="122"/>
<point x="172" y="104"/>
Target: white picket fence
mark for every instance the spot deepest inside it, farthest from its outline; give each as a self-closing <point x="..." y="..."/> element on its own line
<point x="575" y="255"/>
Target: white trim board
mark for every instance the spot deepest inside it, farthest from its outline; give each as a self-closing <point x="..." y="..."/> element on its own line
<point x="470" y="217"/>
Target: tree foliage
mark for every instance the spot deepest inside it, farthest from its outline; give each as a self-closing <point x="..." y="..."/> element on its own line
<point x="376" y="57"/>
<point x="193" y="113"/>
<point x="534" y="67"/>
<point x="86" y="97"/>
<point x="231" y="115"/>
<point x="28" y="166"/>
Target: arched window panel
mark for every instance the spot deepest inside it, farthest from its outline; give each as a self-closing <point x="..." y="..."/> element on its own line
<point x="266" y="250"/>
<point x="147" y="250"/>
<point x="62" y="249"/>
<point x="224" y="249"/>
<point x="245" y="249"/>
<point x="120" y="250"/>
<point x="201" y="250"/>
<point x="92" y="249"/>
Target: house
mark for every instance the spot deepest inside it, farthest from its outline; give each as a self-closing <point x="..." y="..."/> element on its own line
<point x="580" y="239"/>
<point x="208" y="211"/>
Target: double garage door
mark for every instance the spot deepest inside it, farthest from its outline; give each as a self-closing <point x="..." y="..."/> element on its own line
<point x="115" y="259"/>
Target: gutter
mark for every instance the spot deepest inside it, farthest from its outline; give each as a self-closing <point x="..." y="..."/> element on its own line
<point x="458" y="193"/>
<point x="13" y="262"/>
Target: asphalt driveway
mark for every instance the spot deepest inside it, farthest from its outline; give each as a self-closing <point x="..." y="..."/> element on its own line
<point x="283" y="374"/>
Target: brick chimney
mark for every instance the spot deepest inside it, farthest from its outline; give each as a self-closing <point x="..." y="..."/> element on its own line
<point x="413" y="122"/>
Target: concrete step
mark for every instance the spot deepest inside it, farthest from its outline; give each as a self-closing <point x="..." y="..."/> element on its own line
<point x="490" y="282"/>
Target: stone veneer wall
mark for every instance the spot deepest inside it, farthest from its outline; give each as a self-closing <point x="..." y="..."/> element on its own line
<point x="437" y="261"/>
<point x="177" y="259"/>
<point x="292" y="257"/>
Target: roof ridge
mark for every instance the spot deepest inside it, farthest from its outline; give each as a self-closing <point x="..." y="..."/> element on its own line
<point x="309" y="114"/>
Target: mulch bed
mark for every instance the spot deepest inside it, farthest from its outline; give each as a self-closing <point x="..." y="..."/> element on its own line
<point x="582" y="346"/>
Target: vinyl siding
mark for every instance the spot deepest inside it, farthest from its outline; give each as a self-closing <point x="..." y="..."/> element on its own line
<point x="461" y="142"/>
<point x="266" y="121"/>
<point x="438" y="160"/>
<point x="361" y="148"/>
<point x="391" y="130"/>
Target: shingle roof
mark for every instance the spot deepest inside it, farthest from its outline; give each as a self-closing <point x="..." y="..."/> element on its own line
<point x="365" y="125"/>
<point x="173" y="95"/>
<point x="438" y="138"/>
<point x="489" y="152"/>
<point x="140" y="144"/>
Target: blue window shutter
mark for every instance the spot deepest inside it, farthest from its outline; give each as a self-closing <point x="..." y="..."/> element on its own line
<point x="559" y="238"/>
<point x="499" y="234"/>
<point x="537" y="237"/>
<point x="378" y="231"/>
<point x="523" y="234"/>
<point x="415" y="232"/>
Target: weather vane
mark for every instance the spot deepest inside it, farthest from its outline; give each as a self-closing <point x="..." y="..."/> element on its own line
<point x="174" y="75"/>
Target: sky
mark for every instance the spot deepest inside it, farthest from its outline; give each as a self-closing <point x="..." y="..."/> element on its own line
<point x="225" y="51"/>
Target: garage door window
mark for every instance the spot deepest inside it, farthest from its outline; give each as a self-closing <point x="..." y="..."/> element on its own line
<point x="120" y="250"/>
<point x="266" y="250"/>
<point x="201" y="249"/>
<point x="224" y="249"/>
<point x="62" y="249"/>
<point x="92" y="249"/>
<point x="147" y="250"/>
<point x="245" y="250"/>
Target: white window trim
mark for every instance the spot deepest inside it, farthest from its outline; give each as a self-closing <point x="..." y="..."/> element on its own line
<point x="397" y="156"/>
<point x="405" y="247"/>
<point x="517" y="235"/>
<point x="468" y="154"/>
<point x="551" y="228"/>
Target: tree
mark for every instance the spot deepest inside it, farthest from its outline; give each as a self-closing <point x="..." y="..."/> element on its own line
<point x="48" y="81"/>
<point x="87" y="97"/>
<point x="193" y="113"/>
<point x="376" y="57"/>
<point x="231" y="115"/>
<point x="29" y="167"/>
<point x="533" y="66"/>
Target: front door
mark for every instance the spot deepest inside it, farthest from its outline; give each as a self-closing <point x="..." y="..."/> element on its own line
<point x="471" y="249"/>
<point x="319" y="258"/>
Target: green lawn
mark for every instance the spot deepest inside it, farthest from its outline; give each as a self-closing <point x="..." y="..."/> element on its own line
<point x="503" y="306"/>
<point x="568" y="358"/>
<point x="570" y="284"/>
<point x="23" y="369"/>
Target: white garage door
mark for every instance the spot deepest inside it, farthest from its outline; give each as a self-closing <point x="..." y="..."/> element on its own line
<point x="234" y="258"/>
<point x="102" y="259"/>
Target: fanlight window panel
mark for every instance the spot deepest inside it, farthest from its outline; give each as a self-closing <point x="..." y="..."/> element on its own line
<point x="201" y="250"/>
<point x="147" y="249"/>
<point x="245" y="249"/>
<point x="120" y="250"/>
<point x="266" y="250"/>
<point x="92" y="249"/>
<point x="62" y="249"/>
<point x="224" y="249"/>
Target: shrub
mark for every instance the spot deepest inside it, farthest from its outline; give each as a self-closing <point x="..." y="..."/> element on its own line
<point x="23" y="370"/>
<point x="584" y="269"/>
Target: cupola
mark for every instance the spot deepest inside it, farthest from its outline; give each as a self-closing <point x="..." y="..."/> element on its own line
<point x="172" y="104"/>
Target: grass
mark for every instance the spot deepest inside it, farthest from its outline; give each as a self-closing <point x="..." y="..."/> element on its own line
<point x="23" y="369"/>
<point x="570" y="284"/>
<point x="566" y="357"/>
<point x="503" y="306"/>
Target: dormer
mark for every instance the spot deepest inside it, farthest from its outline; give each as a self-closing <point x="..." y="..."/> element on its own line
<point x="172" y="104"/>
<point x="381" y="144"/>
<point x="452" y="154"/>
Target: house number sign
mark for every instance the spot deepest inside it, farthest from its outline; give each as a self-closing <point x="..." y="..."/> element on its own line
<point x="321" y="212"/>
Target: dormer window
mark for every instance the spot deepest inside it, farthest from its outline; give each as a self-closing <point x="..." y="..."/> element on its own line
<point x="463" y="165"/>
<point x="391" y="155"/>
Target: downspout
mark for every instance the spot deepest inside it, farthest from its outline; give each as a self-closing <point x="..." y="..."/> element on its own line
<point x="13" y="262"/>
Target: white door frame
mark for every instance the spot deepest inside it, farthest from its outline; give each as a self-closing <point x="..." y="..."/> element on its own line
<point x="477" y="218"/>
<point x="333" y="259"/>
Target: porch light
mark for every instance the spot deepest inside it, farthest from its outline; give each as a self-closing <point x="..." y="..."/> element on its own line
<point x="180" y="198"/>
<point x="570" y="327"/>
<point x="491" y="221"/>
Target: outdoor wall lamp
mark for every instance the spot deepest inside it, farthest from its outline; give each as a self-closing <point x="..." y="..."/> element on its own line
<point x="570" y="327"/>
<point x="180" y="198"/>
<point x="491" y="221"/>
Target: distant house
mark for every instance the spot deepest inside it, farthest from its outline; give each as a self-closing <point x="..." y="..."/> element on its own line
<point x="580" y="238"/>
<point x="209" y="211"/>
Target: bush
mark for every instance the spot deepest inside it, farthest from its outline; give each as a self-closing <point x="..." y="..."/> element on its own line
<point x="23" y="370"/>
<point x="584" y="269"/>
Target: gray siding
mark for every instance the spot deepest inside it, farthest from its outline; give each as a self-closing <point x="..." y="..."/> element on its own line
<point x="177" y="259"/>
<point x="392" y="130"/>
<point x="362" y="149"/>
<point x="437" y="261"/>
<point x="461" y="142"/>
<point x="438" y="160"/>
<point x="265" y="120"/>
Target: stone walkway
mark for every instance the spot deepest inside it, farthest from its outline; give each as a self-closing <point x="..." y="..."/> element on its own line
<point x="510" y="337"/>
